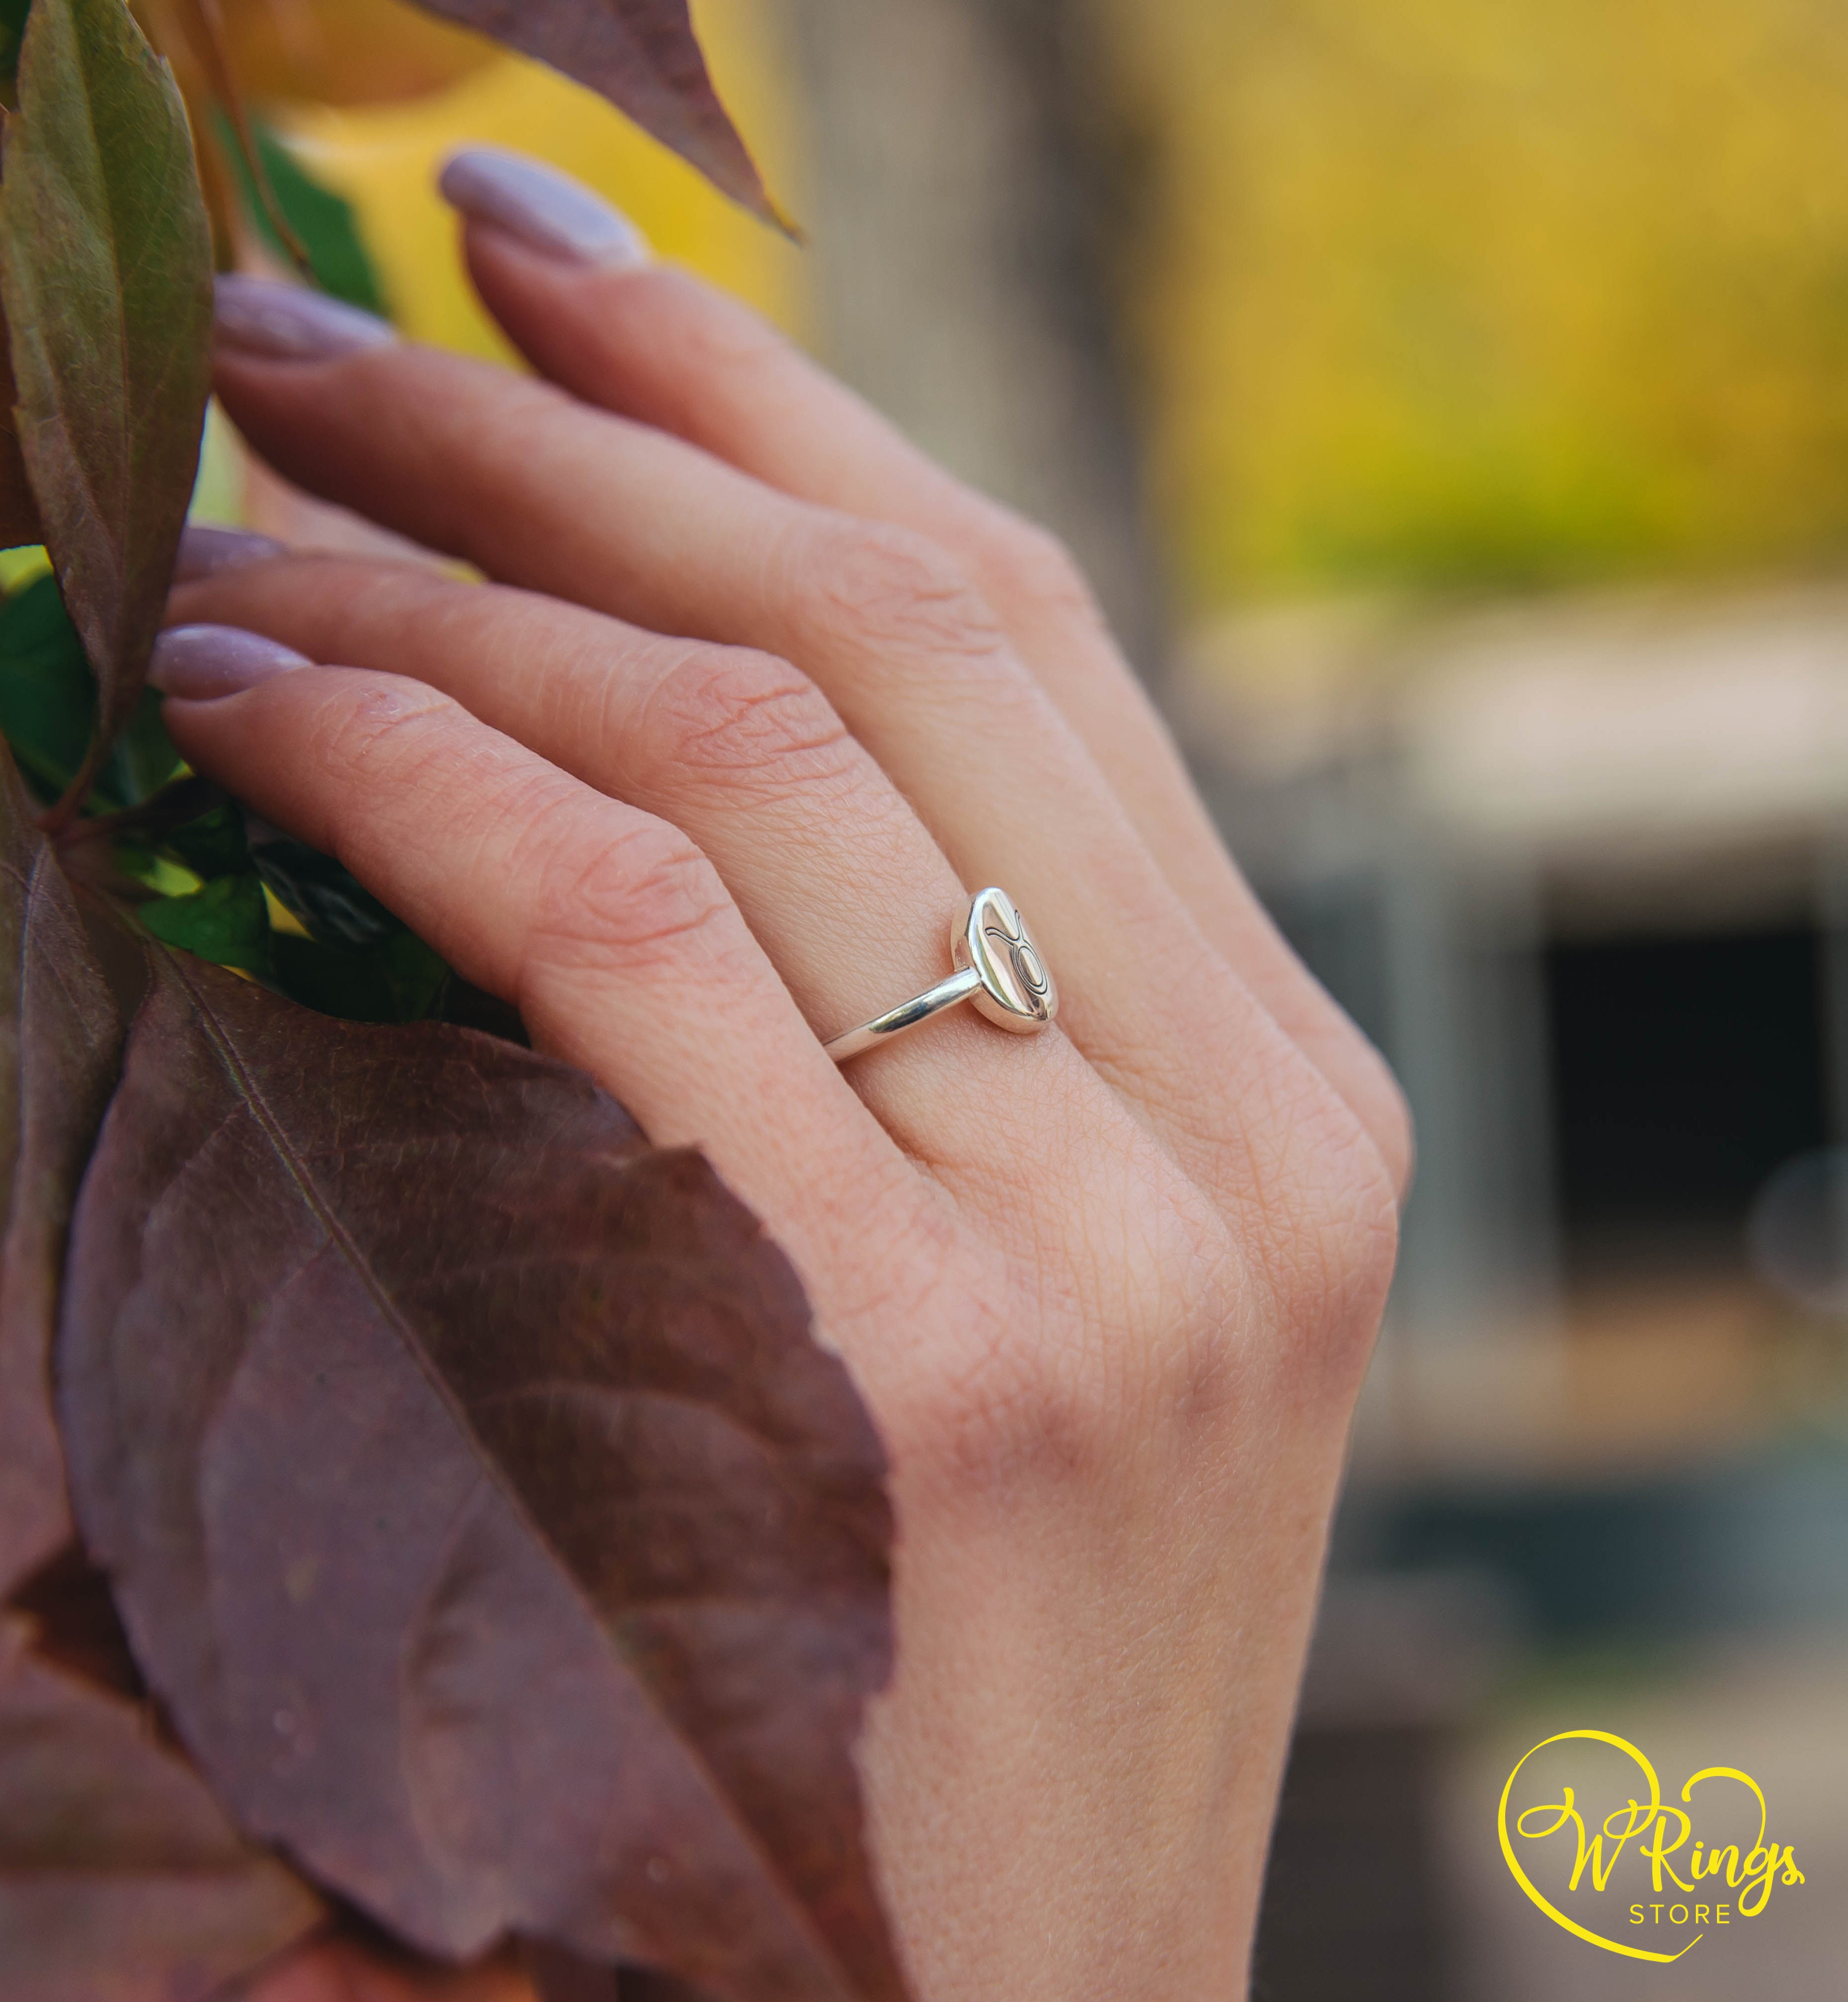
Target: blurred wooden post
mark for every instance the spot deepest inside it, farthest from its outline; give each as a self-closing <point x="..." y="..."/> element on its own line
<point x="958" y="207"/>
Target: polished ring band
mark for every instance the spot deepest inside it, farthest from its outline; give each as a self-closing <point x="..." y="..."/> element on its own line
<point x="998" y="967"/>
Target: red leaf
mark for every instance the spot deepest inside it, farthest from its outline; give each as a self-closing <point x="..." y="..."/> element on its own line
<point x="120" y="1879"/>
<point x="643" y="56"/>
<point x="475" y="1498"/>
<point x="62" y="1029"/>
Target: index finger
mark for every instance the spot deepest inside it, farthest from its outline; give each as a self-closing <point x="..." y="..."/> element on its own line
<point x="605" y="926"/>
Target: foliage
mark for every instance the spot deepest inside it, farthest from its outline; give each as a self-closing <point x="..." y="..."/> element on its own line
<point x="384" y="159"/>
<point x="48" y="707"/>
<point x="311" y="221"/>
<point x="105" y="273"/>
<point x="117" y="1865"/>
<point x="642" y="56"/>
<point x="444" y="1520"/>
<point x="12" y="30"/>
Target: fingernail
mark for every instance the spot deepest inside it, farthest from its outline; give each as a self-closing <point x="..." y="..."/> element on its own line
<point x="204" y="550"/>
<point x="275" y="323"/>
<point x="200" y="663"/>
<point x="546" y="210"/>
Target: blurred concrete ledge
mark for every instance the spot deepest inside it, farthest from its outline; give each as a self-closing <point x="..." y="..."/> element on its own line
<point x="1626" y="740"/>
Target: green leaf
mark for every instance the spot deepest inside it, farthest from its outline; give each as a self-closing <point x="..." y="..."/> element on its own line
<point x="323" y="221"/>
<point x="105" y="273"/>
<point x="227" y="922"/>
<point x="323" y="896"/>
<point x="12" y="29"/>
<point x="214" y="845"/>
<point x="477" y="1498"/>
<point x="359" y="962"/>
<point x="643" y="56"/>
<point x="48" y="708"/>
<point x="398" y="980"/>
<point x="142" y="759"/>
<point x="47" y="694"/>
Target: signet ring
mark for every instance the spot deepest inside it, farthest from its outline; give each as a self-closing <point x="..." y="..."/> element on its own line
<point x="998" y="967"/>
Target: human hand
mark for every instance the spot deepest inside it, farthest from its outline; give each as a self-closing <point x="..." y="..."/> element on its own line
<point x="699" y="780"/>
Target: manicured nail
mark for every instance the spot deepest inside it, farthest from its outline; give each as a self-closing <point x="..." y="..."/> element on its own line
<point x="200" y="663"/>
<point x="546" y="210"/>
<point x="274" y="322"/>
<point x="204" y="550"/>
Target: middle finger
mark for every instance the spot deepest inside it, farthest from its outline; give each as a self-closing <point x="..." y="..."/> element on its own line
<point x="537" y="489"/>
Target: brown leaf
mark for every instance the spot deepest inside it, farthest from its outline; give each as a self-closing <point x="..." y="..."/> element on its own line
<point x="199" y="25"/>
<point x="120" y="1879"/>
<point x="475" y="1498"/>
<point x="61" y="1029"/>
<point x="106" y="275"/>
<point x="18" y="511"/>
<point x="643" y="56"/>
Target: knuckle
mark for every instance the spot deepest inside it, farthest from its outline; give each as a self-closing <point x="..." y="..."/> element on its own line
<point x="1054" y="1369"/>
<point x="1030" y="565"/>
<point x="473" y="428"/>
<point x="1394" y="1134"/>
<point x="1275" y="1305"/>
<point x="1331" y="1232"/>
<point x="1005" y="1415"/>
<point x="630" y="898"/>
<point x="386" y="720"/>
<point x="716" y="336"/>
<point x="905" y="594"/>
<point x="747" y="718"/>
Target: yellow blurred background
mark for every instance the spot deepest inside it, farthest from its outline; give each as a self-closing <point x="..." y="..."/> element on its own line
<point x="1498" y="291"/>
<point x="1450" y="292"/>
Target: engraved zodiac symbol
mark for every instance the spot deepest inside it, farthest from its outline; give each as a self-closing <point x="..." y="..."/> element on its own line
<point x="1024" y="959"/>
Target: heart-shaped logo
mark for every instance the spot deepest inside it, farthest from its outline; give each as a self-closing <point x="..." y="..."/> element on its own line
<point x="1017" y="991"/>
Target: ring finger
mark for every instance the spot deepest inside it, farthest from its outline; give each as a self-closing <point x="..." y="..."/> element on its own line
<point x="837" y="879"/>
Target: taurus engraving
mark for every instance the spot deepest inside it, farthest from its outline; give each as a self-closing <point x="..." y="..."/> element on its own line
<point x="1024" y="959"/>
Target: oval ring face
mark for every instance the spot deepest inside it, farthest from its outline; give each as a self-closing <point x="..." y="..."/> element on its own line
<point x="1017" y="991"/>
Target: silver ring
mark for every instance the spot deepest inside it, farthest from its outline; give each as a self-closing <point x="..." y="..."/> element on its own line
<point x="998" y="967"/>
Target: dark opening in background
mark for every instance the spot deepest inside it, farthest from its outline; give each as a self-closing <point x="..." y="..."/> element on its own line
<point x="1684" y="1070"/>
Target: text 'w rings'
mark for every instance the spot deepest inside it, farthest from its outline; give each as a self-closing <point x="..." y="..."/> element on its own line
<point x="998" y="967"/>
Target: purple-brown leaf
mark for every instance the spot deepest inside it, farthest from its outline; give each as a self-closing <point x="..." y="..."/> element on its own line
<point x="61" y="1029"/>
<point x="105" y="272"/>
<point x="643" y="56"/>
<point x="121" y="1879"/>
<point x="476" y="1499"/>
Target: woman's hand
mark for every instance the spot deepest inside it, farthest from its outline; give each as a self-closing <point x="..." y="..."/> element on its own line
<point x="698" y="781"/>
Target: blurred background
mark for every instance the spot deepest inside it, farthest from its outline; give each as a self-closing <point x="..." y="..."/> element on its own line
<point x="1449" y="398"/>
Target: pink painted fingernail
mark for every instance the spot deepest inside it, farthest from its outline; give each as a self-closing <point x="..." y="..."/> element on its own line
<point x="274" y="322"/>
<point x="200" y="663"/>
<point x="205" y="550"/>
<point x="543" y="209"/>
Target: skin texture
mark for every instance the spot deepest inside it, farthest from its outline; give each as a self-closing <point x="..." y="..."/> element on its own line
<point x="697" y="779"/>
